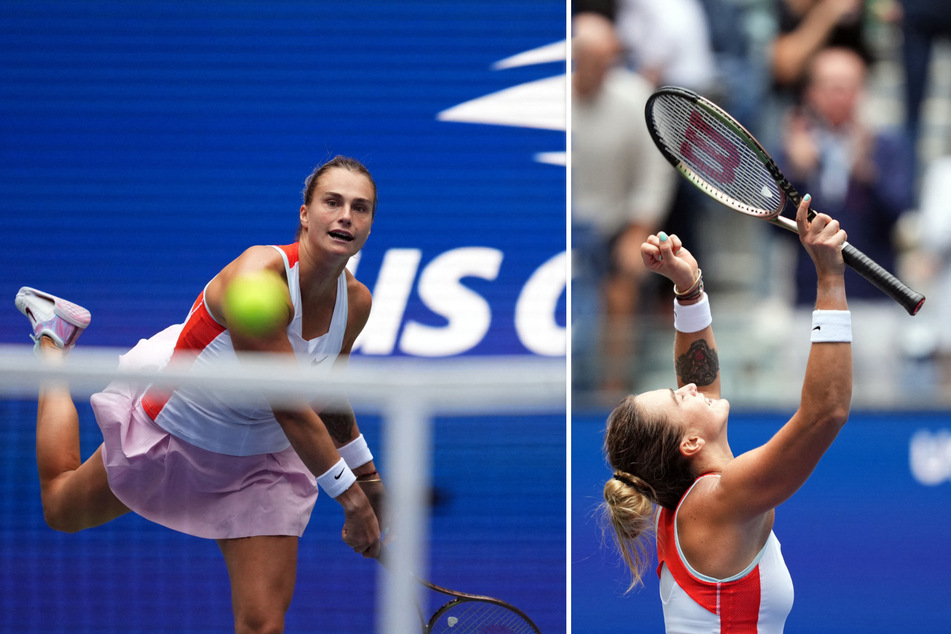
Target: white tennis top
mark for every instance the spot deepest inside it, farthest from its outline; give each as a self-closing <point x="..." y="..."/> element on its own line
<point x="215" y="423"/>
<point x="755" y="601"/>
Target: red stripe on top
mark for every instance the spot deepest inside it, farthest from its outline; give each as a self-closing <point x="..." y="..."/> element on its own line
<point x="735" y="602"/>
<point x="200" y="329"/>
<point x="292" y="251"/>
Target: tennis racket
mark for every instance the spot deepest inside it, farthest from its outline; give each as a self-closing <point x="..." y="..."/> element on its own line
<point x="714" y="152"/>
<point x="476" y="614"/>
<point x="472" y="614"/>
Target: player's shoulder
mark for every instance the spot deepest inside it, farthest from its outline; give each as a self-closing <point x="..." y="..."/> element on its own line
<point x="262" y="255"/>
<point x="358" y="295"/>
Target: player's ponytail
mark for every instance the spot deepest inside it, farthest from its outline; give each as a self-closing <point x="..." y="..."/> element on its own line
<point x="649" y="470"/>
<point x="629" y="509"/>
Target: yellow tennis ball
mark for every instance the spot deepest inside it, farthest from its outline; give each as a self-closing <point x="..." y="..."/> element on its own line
<point x="256" y="303"/>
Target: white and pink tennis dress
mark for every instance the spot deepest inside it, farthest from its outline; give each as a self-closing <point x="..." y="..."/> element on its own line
<point x="202" y="464"/>
<point x="755" y="601"/>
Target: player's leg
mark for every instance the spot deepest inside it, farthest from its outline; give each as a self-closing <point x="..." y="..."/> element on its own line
<point x="263" y="571"/>
<point x="75" y="495"/>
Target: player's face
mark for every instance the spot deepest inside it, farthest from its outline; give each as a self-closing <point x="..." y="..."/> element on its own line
<point x="689" y="408"/>
<point x="340" y="214"/>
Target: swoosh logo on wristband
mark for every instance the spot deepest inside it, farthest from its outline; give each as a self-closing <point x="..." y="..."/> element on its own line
<point x="337" y="477"/>
<point x="818" y="328"/>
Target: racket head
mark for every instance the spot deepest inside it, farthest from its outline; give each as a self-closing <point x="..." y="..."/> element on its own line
<point x="716" y="153"/>
<point x="465" y="615"/>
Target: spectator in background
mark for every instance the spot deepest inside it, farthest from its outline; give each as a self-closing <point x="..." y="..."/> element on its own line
<point x="864" y="179"/>
<point x="621" y="191"/>
<point x="803" y="28"/>
<point x="923" y="22"/>
<point x="668" y="42"/>
<point x="806" y="27"/>
<point x="860" y="177"/>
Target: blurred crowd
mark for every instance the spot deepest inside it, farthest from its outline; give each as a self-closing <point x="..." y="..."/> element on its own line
<point x="848" y="97"/>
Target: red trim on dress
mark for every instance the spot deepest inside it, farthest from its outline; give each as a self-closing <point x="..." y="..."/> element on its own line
<point x="200" y="329"/>
<point x="736" y="602"/>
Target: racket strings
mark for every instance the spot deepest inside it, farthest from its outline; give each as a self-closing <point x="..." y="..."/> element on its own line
<point x="716" y="155"/>
<point x="479" y="617"/>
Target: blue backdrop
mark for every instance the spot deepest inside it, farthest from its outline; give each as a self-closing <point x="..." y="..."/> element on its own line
<point x="865" y="539"/>
<point x="146" y="144"/>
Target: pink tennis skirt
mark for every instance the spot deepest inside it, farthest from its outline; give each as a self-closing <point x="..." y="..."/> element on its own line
<point x="173" y="483"/>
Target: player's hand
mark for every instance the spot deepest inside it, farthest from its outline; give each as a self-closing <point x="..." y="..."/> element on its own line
<point x="665" y="255"/>
<point x="361" y="531"/>
<point x="823" y="240"/>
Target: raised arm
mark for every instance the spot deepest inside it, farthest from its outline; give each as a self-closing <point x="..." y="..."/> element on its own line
<point x="763" y="478"/>
<point x="695" y="349"/>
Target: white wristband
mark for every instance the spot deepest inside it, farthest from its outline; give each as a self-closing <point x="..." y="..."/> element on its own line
<point x="337" y="479"/>
<point x="356" y="452"/>
<point x="693" y="318"/>
<point x="831" y="326"/>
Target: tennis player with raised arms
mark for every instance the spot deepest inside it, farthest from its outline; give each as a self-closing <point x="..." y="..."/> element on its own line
<point x="242" y="474"/>
<point x="720" y="564"/>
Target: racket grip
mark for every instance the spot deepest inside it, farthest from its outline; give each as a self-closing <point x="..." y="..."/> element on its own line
<point x="885" y="281"/>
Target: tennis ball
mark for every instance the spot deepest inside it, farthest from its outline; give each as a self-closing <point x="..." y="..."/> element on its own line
<point x="256" y="303"/>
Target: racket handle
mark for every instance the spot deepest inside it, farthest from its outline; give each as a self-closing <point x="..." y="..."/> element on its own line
<point x="885" y="281"/>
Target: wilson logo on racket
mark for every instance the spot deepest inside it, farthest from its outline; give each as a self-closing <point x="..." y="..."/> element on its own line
<point x="719" y="157"/>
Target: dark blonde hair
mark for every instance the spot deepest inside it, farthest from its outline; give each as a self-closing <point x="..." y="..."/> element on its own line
<point x="643" y="449"/>
<point x="343" y="162"/>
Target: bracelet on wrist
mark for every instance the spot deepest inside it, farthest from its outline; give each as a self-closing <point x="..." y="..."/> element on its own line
<point x="695" y="290"/>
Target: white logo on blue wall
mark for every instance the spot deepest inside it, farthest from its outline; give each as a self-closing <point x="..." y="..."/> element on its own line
<point x="468" y="314"/>
<point x="538" y="104"/>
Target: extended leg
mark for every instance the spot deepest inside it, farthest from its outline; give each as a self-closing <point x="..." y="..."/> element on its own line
<point x="75" y="495"/>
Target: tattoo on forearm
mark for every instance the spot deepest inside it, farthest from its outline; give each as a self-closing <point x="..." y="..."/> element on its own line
<point x="339" y="425"/>
<point x="699" y="364"/>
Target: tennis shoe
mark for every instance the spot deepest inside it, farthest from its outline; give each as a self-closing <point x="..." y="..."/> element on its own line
<point x="53" y="317"/>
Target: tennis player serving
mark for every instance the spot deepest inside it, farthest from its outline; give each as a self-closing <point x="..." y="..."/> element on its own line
<point x="721" y="568"/>
<point x="242" y="474"/>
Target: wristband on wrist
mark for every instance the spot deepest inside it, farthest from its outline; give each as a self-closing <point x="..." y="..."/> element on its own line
<point x="336" y="479"/>
<point x="356" y="452"/>
<point x="692" y="318"/>
<point x="831" y="326"/>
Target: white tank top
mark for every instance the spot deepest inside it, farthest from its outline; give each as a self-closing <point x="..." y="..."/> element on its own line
<point x="756" y="601"/>
<point x="215" y="423"/>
